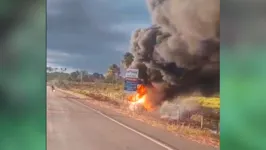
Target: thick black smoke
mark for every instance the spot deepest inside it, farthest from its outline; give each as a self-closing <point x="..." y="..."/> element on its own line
<point x="179" y="53"/>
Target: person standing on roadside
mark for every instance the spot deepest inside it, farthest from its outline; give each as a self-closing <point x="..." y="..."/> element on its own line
<point x="53" y="88"/>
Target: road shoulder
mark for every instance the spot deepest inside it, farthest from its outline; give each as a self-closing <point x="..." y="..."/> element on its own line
<point x="156" y="133"/>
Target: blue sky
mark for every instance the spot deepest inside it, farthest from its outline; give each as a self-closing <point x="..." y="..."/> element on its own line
<point x="91" y="34"/>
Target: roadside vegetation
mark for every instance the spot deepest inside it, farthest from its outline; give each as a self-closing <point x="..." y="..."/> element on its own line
<point x="108" y="90"/>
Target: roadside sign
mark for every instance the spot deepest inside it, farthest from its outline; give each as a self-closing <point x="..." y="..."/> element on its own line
<point x="131" y="85"/>
<point x="131" y="80"/>
<point x="132" y="73"/>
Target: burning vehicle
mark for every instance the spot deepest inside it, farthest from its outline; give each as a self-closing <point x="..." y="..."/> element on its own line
<point x="139" y="100"/>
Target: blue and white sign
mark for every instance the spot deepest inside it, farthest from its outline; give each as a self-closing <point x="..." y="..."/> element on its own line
<point x="130" y="85"/>
<point x="131" y="80"/>
<point x="132" y="73"/>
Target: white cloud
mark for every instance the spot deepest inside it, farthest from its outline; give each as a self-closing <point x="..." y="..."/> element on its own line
<point x="60" y="55"/>
<point x="55" y="59"/>
<point x="129" y="27"/>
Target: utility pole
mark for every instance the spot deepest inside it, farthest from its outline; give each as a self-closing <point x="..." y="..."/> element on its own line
<point x="81" y="77"/>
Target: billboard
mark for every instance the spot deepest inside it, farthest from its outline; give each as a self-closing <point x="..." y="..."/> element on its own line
<point x="132" y="73"/>
<point x="131" y="80"/>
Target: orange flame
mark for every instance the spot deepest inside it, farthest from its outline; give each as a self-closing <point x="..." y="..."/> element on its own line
<point x="140" y="98"/>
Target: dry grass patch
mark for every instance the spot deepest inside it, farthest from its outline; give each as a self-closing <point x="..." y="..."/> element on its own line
<point x="105" y="94"/>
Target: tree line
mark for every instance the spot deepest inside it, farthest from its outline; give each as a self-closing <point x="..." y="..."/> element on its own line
<point x="113" y="73"/>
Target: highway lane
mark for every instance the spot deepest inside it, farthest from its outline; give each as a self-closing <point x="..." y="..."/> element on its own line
<point x="73" y="126"/>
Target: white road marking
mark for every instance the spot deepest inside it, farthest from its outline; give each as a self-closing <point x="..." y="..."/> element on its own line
<point x="127" y="127"/>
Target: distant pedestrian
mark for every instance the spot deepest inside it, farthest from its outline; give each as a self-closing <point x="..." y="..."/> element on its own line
<point x="53" y="88"/>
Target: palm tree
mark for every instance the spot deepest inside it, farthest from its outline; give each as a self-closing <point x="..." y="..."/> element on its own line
<point x="127" y="60"/>
<point x="49" y="69"/>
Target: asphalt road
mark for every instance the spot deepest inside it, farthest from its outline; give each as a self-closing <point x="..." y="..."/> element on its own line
<point x="73" y="126"/>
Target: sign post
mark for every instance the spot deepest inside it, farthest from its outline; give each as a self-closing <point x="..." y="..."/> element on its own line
<point x="131" y="81"/>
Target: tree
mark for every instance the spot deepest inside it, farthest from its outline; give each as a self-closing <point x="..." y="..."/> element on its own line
<point x="49" y="69"/>
<point x="97" y="76"/>
<point x="63" y="69"/>
<point x="87" y="78"/>
<point x="55" y="69"/>
<point x="113" y="70"/>
<point x="74" y="75"/>
<point x="113" y="73"/>
<point x="127" y="60"/>
<point x="84" y="72"/>
<point x="61" y="72"/>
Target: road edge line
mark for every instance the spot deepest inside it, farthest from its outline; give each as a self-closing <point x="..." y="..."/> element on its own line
<point x="126" y="126"/>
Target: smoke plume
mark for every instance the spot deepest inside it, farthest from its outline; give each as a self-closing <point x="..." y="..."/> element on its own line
<point x="179" y="53"/>
<point x="179" y="109"/>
